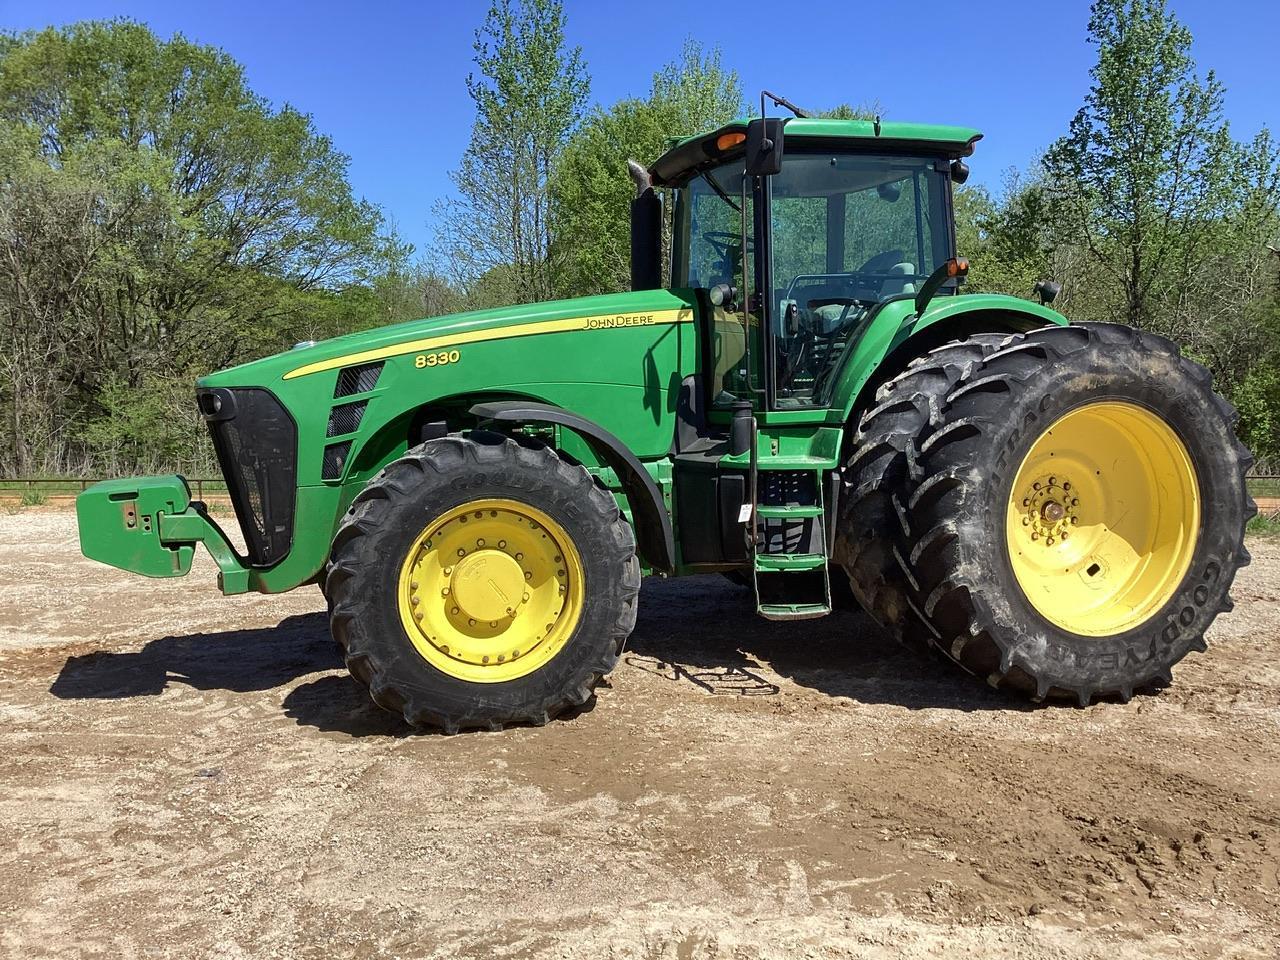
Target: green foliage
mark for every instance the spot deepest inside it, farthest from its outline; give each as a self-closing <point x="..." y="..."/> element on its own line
<point x="33" y="498"/>
<point x="1164" y="207"/>
<point x="591" y="191"/>
<point x="157" y="220"/>
<point x="529" y="94"/>
<point x="1261" y="526"/>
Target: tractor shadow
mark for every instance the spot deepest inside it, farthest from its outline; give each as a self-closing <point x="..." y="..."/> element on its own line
<point x="238" y="662"/>
<point x="703" y="630"/>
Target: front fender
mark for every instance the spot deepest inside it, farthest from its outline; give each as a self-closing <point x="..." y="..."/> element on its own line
<point x="894" y="328"/>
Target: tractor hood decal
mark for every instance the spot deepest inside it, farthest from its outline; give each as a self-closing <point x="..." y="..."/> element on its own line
<point x="445" y="340"/>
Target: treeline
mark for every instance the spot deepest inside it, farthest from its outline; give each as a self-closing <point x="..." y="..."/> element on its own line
<point x="159" y="220"/>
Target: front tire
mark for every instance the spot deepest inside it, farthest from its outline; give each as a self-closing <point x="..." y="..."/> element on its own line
<point x="478" y="582"/>
<point x="1076" y="513"/>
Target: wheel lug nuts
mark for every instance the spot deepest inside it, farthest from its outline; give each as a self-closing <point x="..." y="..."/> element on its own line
<point x="1049" y="541"/>
<point x="414" y="600"/>
<point x="413" y="584"/>
<point x="1053" y="481"/>
<point x="502" y="543"/>
<point x="1075" y="520"/>
<point x="480" y="542"/>
<point x="519" y="556"/>
<point x="444" y="592"/>
<point x="448" y="570"/>
<point x="471" y="621"/>
<point x="455" y="609"/>
<point x="1036" y="485"/>
<point x="1026" y="501"/>
<point x="461" y="552"/>
<point x="1035" y="536"/>
<point x="1075" y="503"/>
<point x="1066" y="485"/>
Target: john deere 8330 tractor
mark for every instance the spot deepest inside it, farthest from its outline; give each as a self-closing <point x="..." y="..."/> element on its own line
<point x="811" y="407"/>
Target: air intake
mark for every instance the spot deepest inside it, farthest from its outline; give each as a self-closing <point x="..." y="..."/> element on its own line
<point x="335" y="458"/>
<point x="359" y="379"/>
<point x="346" y="418"/>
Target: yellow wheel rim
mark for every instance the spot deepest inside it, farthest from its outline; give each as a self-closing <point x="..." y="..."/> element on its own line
<point x="491" y="591"/>
<point x="1103" y="518"/>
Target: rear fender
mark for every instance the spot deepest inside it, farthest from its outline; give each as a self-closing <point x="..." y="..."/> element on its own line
<point x="896" y="336"/>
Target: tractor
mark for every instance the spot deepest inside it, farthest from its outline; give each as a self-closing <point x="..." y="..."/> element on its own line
<point x="810" y="406"/>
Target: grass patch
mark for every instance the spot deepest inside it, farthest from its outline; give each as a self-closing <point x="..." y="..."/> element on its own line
<point x="34" y="498"/>
<point x="1261" y="526"/>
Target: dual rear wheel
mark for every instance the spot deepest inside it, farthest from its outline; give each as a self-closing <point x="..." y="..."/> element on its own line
<point x="1063" y="515"/>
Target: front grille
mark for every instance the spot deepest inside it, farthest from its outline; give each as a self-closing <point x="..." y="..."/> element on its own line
<point x="257" y="445"/>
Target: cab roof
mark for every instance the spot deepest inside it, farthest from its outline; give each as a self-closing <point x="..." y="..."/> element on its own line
<point x="691" y="154"/>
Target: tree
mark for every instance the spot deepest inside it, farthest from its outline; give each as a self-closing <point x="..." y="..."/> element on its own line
<point x="157" y="220"/>
<point x="591" y="191"/>
<point x="529" y="94"/>
<point x="1149" y="173"/>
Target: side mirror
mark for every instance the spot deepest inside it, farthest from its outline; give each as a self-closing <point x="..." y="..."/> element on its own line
<point x="959" y="171"/>
<point x="764" y="147"/>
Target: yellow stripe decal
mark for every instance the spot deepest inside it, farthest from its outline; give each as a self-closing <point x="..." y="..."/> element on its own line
<point x="606" y="322"/>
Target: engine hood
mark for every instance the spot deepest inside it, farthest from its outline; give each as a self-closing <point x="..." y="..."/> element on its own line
<point x="616" y="309"/>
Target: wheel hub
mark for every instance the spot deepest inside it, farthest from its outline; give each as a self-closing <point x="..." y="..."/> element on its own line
<point x="491" y="590"/>
<point x="1050" y="507"/>
<point x="488" y="585"/>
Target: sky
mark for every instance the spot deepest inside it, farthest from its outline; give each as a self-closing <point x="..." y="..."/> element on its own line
<point x="386" y="80"/>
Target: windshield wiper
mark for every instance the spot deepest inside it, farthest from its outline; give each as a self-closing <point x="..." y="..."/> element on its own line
<point x="711" y="182"/>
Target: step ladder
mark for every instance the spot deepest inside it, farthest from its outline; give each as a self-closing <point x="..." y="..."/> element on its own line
<point x="788" y="539"/>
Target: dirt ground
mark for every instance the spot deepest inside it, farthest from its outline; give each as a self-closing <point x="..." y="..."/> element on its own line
<point x="183" y="775"/>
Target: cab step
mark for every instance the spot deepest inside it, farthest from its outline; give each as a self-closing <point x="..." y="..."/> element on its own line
<point x="783" y="562"/>
<point x="789" y="513"/>
<point x="793" y="611"/>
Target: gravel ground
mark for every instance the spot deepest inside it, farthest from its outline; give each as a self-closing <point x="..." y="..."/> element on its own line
<point x="186" y="775"/>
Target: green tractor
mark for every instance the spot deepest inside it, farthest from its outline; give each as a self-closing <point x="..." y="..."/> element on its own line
<point x="811" y="408"/>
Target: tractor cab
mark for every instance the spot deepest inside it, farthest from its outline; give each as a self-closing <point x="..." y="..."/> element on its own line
<point x="794" y="237"/>
<point x="796" y="262"/>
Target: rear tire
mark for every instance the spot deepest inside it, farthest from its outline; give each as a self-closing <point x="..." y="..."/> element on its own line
<point x="1154" y="501"/>
<point x="875" y="477"/>
<point x="547" y="650"/>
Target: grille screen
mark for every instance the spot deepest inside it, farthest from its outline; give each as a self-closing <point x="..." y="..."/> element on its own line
<point x="335" y="458"/>
<point x="359" y="379"/>
<point x="346" y="418"/>
<point x="257" y="451"/>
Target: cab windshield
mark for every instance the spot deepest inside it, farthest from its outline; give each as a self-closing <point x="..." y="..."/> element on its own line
<point x="848" y="230"/>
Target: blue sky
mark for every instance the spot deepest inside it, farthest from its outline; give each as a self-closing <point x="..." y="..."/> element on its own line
<point x="386" y="80"/>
